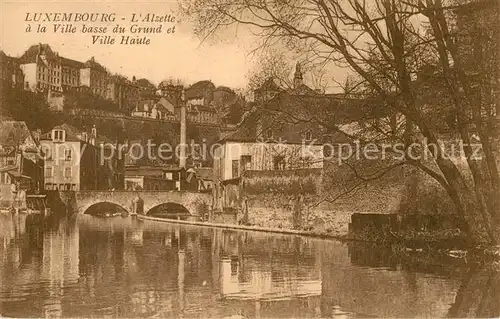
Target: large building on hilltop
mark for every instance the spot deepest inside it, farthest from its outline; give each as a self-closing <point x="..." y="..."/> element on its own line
<point x="10" y="71"/>
<point x="42" y="68"/>
<point x="95" y="78"/>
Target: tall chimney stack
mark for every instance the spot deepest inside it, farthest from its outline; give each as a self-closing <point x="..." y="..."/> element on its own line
<point x="182" y="153"/>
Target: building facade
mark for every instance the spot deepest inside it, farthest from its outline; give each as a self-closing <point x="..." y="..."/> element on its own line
<point x="21" y="166"/>
<point x="234" y="157"/>
<point x="95" y="78"/>
<point x="71" y="161"/>
<point x="159" y="110"/>
<point x="42" y="69"/>
<point x="11" y="73"/>
<point x="70" y="74"/>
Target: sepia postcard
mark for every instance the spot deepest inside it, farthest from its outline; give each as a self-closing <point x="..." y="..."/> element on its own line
<point x="249" y="158"/>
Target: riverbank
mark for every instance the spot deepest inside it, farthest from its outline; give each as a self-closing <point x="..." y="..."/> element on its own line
<point x="243" y="227"/>
<point x="420" y="249"/>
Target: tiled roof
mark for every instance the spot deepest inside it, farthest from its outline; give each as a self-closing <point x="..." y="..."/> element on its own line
<point x="290" y="116"/>
<point x="30" y="55"/>
<point x="93" y="64"/>
<point x="198" y="89"/>
<point x="72" y="133"/>
<point x="71" y="63"/>
<point x="269" y="85"/>
<point x="145" y="83"/>
<point x="302" y="90"/>
<point x="224" y="88"/>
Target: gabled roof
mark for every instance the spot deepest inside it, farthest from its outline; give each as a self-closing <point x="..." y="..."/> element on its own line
<point x="225" y="89"/>
<point x="166" y="105"/>
<point x="145" y="83"/>
<point x="72" y="133"/>
<point x="93" y="64"/>
<point x="71" y="63"/>
<point x="33" y="51"/>
<point x="302" y="90"/>
<point x="269" y="85"/>
<point x="291" y="115"/>
<point x="3" y="57"/>
<point x="199" y="88"/>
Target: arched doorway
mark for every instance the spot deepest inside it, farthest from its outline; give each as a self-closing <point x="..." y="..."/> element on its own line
<point x="106" y="209"/>
<point x="170" y="211"/>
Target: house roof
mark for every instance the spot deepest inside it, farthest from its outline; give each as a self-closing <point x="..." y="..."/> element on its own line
<point x="72" y="133"/>
<point x="33" y="51"/>
<point x="476" y="6"/>
<point x="290" y="116"/>
<point x="302" y="90"/>
<point x="269" y="85"/>
<point x="224" y="88"/>
<point x="166" y="105"/>
<point x="145" y="83"/>
<point x="93" y="64"/>
<point x="71" y="63"/>
<point x="199" y="88"/>
<point x="3" y="57"/>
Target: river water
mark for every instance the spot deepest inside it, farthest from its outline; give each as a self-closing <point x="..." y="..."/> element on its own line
<point x="93" y="267"/>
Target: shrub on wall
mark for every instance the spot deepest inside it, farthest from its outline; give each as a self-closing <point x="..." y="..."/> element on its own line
<point x="282" y="182"/>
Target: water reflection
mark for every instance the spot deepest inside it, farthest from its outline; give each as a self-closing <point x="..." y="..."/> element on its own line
<point x="125" y="268"/>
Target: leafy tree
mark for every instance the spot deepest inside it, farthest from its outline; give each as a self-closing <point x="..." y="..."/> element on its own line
<point x="27" y="106"/>
<point x="385" y="43"/>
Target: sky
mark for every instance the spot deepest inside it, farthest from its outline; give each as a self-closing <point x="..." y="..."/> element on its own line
<point x="180" y="55"/>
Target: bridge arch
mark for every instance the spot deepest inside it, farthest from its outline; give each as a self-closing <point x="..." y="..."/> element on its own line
<point x="195" y="203"/>
<point x="105" y="208"/>
<point x="169" y="210"/>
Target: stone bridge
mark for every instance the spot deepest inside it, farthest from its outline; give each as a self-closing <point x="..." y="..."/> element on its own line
<point x="196" y="203"/>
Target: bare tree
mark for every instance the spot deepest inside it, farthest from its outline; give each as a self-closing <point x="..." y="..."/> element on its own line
<point x="385" y="43"/>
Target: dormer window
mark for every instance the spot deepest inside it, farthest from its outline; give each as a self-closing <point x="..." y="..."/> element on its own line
<point x="268" y="134"/>
<point x="58" y="135"/>
<point x="308" y="136"/>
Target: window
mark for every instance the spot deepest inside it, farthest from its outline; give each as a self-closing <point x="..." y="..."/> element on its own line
<point x="305" y="162"/>
<point x="236" y="168"/>
<point x="279" y="162"/>
<point x="4" y="178"/>
<point x="48" y="171"/>
<point x="268" y="134"/>
<point x="246" y="162"/>
<point x="58" y="135"/>
<point x="67" y="154"/>
<point x="308" y="136"/>
<point x="67" y="172"/>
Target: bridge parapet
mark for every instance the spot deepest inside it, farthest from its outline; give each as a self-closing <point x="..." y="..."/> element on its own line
<point x="196" y="203"/>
